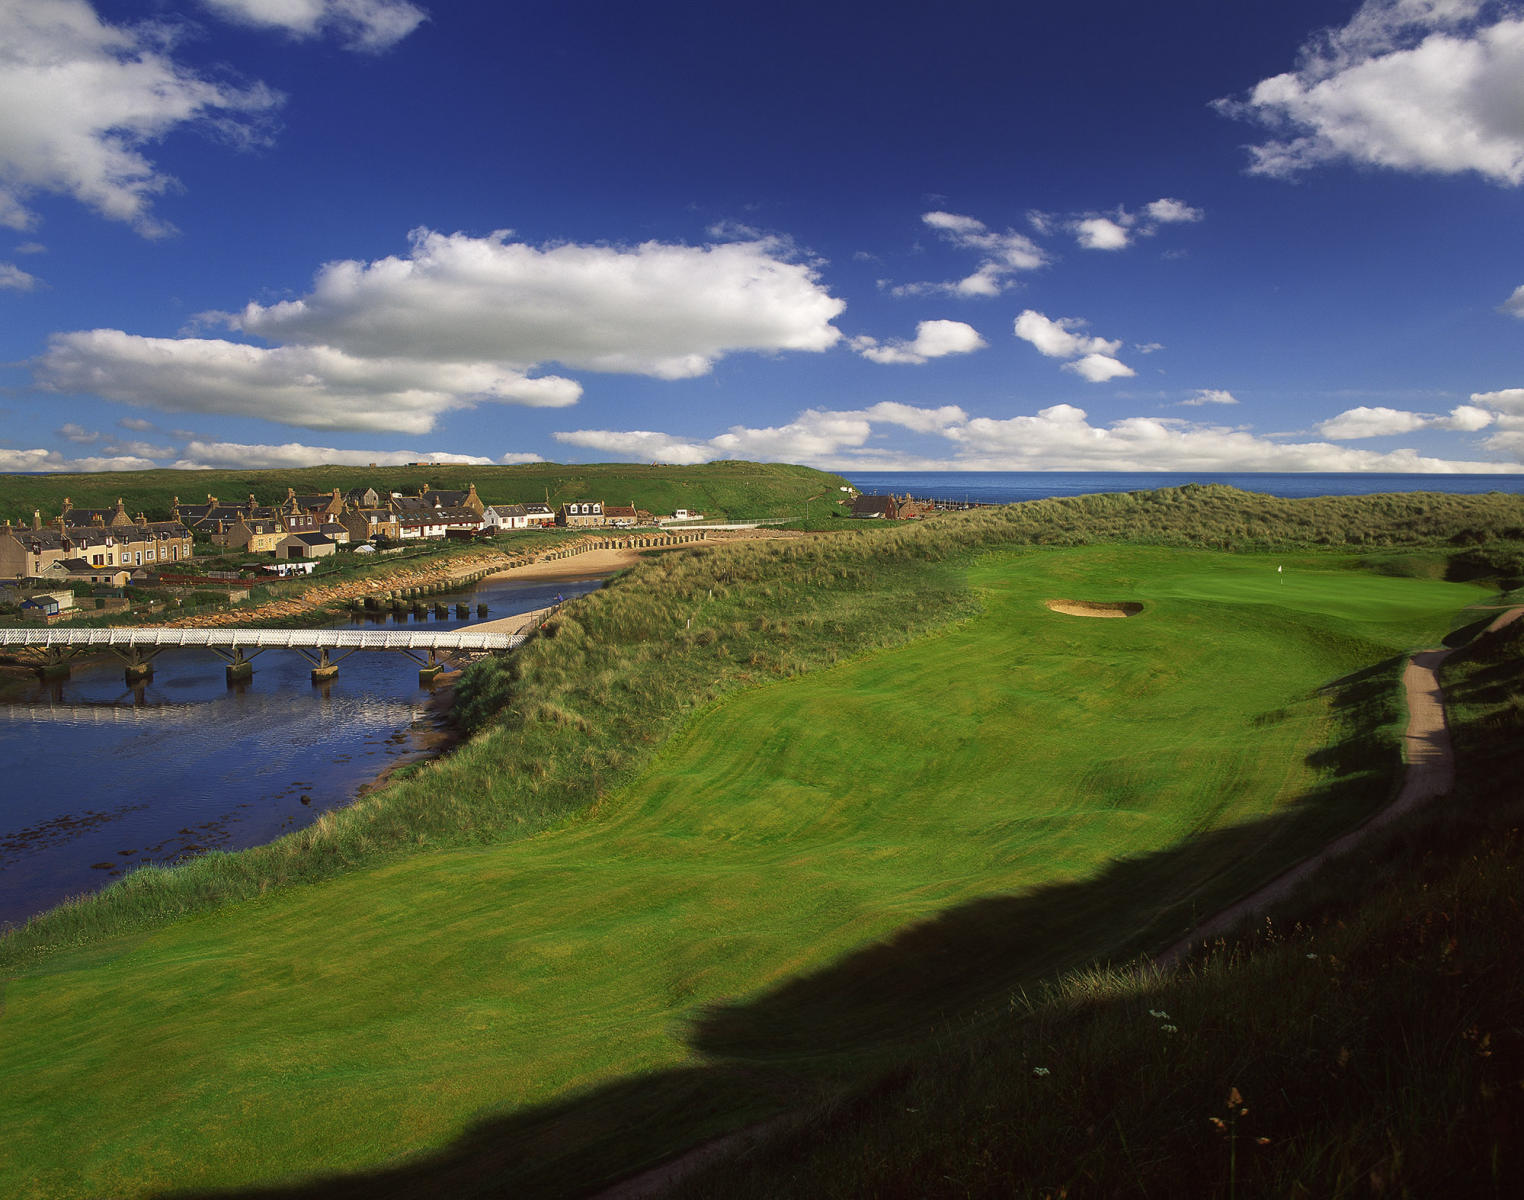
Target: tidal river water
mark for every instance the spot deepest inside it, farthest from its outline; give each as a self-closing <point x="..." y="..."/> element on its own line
<point x="100" y="777"/>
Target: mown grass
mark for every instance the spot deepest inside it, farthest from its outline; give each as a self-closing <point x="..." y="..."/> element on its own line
<point x="1368" y="1042"/>
<point x="792" y="891"/>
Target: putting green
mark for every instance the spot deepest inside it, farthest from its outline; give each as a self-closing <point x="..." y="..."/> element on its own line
<point x="354" y="1022"/>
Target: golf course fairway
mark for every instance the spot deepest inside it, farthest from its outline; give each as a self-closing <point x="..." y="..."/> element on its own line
<point x="352" y="1023"/>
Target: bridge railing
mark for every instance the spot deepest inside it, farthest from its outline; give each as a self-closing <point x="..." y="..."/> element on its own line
<point x="346" y="639"/>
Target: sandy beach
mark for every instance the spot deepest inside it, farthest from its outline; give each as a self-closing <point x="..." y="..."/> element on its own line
<point x="578" y="566"/>
<point x="581" y="566"/>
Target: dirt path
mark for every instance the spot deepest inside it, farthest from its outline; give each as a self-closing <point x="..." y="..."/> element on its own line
<point x="1430" y="773"/>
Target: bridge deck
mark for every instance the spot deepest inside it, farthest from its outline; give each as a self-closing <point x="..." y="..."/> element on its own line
<point x="251" y="639"/>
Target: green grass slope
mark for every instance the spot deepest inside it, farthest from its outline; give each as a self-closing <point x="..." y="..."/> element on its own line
<point x="1369" y="1043"/>
<point x="734" y="489"/>
<point x="789" y="893"/>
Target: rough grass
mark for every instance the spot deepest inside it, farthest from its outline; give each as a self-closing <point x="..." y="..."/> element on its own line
<point x="792" y="891"/>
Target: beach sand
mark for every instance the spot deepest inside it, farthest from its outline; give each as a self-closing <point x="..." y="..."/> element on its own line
<point x="579" y="566"/>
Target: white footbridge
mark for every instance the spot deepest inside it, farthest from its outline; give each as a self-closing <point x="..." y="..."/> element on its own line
<point x="51" y="649"/>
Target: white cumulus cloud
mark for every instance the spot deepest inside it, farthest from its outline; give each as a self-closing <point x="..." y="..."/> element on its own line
<point x="1168" y="211"/>
<point x="814" y="436"/>
<point x="1514" y="305"/>
<point x="391" y="345"/>
<point x="202" y="455"/>
<point x="1205" y="396"/>
<point x="933" y="339"/>
<point x="1509" y="401"/>
<point x="1506" y="408"/>
<point x="1367" y="422"/>
<point x="370" y="25"/>
<point x="71" y="431"/>
<point x="1416" y="85"/>
<point x="1002" y="256"/>
<point x="1098" y="368"/>
<point x="1059" y="437"/>
<point x="1060" y="338"/>
<point x="28" y="461"/>
<point x="81" y="100"/>
<point x="1119" y="229"/>
<point x="1094" y="357"/>
<point x="670" y="311"/>
<point x="14" y="279"/>
<point x="1101" y="233"/>
<point x="315" y="387"/>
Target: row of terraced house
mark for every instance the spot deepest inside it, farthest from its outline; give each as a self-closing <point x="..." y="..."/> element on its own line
<point x="108" y="545"/>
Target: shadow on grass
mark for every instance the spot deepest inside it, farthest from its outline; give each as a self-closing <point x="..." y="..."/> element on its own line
<point x="866" y="1015"/>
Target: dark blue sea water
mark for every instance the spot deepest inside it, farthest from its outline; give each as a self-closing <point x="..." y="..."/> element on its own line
<point x="1010" y="487"/>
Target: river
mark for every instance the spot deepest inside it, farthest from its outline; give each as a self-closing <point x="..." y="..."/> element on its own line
<point x="102" y="777"/>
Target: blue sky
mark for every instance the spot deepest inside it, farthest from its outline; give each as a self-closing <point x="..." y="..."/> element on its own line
<point x="1191" y="237"/>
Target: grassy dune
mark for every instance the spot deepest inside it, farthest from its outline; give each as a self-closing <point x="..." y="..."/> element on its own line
<point x="789" y="893"/>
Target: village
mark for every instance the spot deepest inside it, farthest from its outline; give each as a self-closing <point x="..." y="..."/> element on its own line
<point x="44" y="565"/>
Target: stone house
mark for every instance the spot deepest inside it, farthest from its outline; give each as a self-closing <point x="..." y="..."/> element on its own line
<point x="582" y="514"/>
<point x="31" y="552"/>
<point x="366" y="523"/>
<point x="256" y="536"/>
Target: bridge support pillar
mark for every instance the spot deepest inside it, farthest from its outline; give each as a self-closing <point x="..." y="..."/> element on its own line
<point x="429" y="674"/>
<point x="240" y="670"/>
<point x="53" y="670"/>
<point x="138" y="672"/>
<point x="324" y="669"/>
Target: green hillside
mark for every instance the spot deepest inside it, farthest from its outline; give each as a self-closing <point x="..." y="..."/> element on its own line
<point x="731" y="489"/>
<point x="739" y="832"/>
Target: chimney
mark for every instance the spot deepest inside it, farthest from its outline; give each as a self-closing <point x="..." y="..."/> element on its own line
<point x="37" y="518"/>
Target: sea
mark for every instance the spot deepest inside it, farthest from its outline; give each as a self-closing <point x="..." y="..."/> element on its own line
<point x="1011" y="487"/>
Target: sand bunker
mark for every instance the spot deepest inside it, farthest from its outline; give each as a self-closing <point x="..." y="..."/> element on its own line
<point x="1092" y="608"/>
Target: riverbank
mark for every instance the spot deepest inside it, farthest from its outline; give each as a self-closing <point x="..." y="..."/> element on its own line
<point x="252" y="762"/>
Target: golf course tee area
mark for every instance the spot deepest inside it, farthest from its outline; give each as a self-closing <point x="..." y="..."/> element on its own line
<point x="745" y="824"/>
